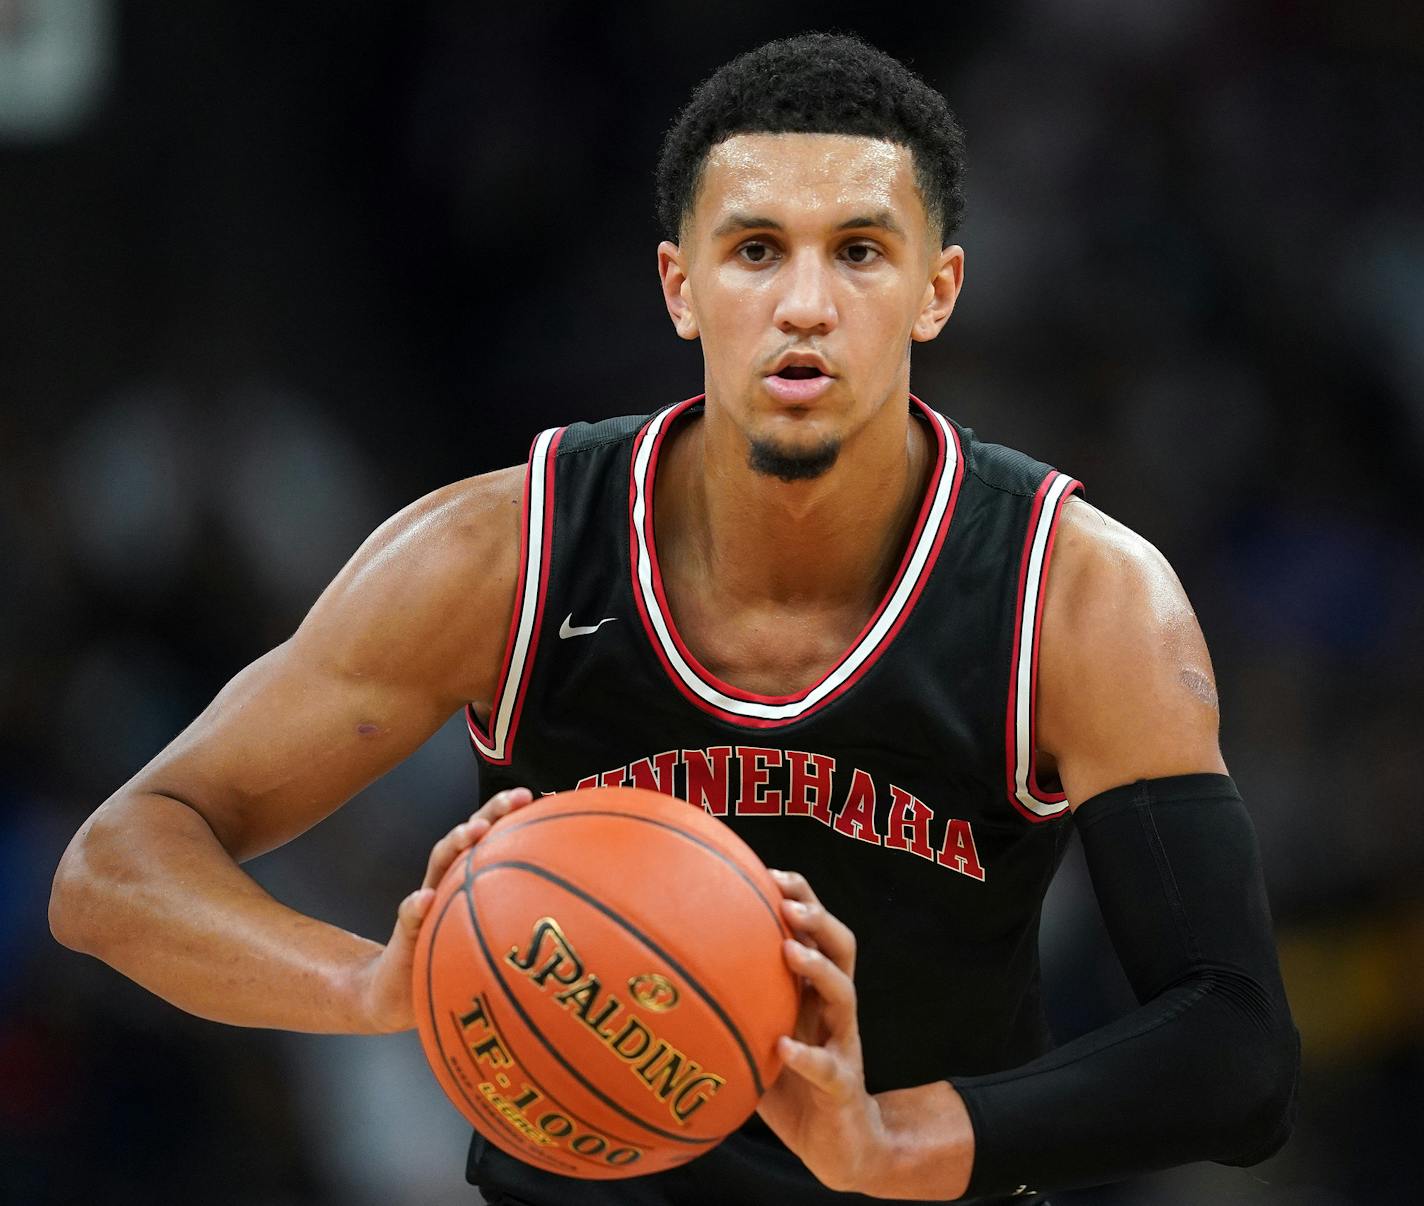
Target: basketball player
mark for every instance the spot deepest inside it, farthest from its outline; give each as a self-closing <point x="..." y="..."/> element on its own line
<point x="900" y="661"/>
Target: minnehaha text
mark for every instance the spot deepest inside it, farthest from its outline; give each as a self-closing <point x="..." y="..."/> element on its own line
<point x="759" y="781"/>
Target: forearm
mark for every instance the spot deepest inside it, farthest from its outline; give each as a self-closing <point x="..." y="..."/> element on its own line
<point x="1205" y="1068"/>
<point x="1193" y="1075"/>
<point x="146" y="887"/>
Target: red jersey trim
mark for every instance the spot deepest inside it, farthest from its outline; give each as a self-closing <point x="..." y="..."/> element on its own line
<point x="536" y="538"/>
<point x="1024" y="791"/>
<point x="746" y="708"/>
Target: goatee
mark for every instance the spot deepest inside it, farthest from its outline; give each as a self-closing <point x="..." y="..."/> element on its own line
<point x="799" y="466"/>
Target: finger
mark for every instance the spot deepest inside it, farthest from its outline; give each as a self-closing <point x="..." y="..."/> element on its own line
<point x="821" y="930"/>
<point x="467" y="833"/>
<point x="450" y="847"/>
<point x="502" y="803"/>
<point x="793" y="886"/>
<point x="835" y="988"/>
<point x="814" y="1064"/>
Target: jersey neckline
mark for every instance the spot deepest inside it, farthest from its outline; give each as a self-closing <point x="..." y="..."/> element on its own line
<point x="732" y="704"/>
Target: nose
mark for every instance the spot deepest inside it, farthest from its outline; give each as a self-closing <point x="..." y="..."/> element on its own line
<point x="807" y="298"/>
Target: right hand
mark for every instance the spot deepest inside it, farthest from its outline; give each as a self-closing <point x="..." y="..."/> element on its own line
<point x="383" y="985"/>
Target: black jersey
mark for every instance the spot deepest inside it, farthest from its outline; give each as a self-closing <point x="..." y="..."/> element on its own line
<point x="901" y="784"/>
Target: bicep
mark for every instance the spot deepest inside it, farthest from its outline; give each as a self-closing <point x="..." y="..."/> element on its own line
<point x="1126" y="687"/>
<point x="411" y="629"/>
<point x="286" y="743"/>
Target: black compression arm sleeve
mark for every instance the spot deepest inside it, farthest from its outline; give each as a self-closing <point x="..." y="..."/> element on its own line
<point x="1205" y="1068"/>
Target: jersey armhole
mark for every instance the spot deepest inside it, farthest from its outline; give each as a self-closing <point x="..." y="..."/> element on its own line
<point x="1024" y="791"/>
<point x="495" y="743"/>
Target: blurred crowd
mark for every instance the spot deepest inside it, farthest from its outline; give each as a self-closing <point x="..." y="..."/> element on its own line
<point x="269" y="273"/>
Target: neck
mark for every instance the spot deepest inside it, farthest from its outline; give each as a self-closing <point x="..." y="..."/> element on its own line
<point x="832" y="541"/>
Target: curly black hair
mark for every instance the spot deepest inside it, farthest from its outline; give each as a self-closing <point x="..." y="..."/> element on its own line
<point x="816" y="83"/>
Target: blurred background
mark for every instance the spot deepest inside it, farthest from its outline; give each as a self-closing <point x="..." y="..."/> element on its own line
<point x="268" y="272"/>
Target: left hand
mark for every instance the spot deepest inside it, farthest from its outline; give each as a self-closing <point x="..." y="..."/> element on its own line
<point x="819" y="1106"/>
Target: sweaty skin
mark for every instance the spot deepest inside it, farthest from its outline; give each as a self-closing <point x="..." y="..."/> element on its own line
<point x="808" y="244"/>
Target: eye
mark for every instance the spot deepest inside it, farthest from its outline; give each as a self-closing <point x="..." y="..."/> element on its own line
<point x="862" y="253"/>
<point x="755" y="252"/>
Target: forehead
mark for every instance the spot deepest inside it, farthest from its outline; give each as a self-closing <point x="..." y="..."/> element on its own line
<point x="775" y="173"/>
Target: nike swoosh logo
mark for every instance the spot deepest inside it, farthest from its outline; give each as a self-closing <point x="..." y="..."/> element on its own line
<point x="567" y="629"/>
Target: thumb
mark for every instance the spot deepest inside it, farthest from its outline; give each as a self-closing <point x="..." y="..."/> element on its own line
<point x="409" y="915"/>
<point x="387" y="991"/>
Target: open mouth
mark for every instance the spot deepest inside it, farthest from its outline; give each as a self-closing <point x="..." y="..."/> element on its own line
<point x="798" y="384"/>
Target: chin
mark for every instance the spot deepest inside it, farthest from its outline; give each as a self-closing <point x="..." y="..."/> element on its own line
<point x="792" y="461"/>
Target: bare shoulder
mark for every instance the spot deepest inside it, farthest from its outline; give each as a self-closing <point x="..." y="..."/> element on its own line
<point x="431" y="590"/>
<point x="1108" y="585"/>
<point x="1126" y="685"/>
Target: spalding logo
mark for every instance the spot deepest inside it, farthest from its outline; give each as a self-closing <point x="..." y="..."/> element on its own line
<point x="671" y="1075"/>
<point x="653" y="991"/>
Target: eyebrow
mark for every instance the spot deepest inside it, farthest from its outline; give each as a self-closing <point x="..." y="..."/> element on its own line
<point x="881" y="219"/>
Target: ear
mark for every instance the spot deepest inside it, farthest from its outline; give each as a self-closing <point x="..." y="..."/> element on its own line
<point x="677" y="289"/>
<point x="940" y="294"/>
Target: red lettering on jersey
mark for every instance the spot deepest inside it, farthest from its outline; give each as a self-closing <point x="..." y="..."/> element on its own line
<point x="617" y="777"/>
<point x="709" y="778"/>
<point x="958" y="852"/>
<point x="909" y="824"/>
<point x="857" y="818"/>
<point x="810" y="792"/>
<point x="755" y="800"/>
<point x="656" y="774"/>
<point x="584" y="784"/>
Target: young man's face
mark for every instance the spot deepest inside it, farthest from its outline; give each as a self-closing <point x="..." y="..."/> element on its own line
<point x="812" y="247"/>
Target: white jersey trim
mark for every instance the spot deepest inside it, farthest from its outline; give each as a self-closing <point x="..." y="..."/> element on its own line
<point x="888" y="619"/>
<point x="1042" y="805"/>
<point x="495" y="746"/>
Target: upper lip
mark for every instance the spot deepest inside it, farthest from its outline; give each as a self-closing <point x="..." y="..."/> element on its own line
<point x="800" y="360"/>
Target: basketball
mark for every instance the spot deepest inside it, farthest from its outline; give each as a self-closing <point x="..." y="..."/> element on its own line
<point x="599" y="984"/>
